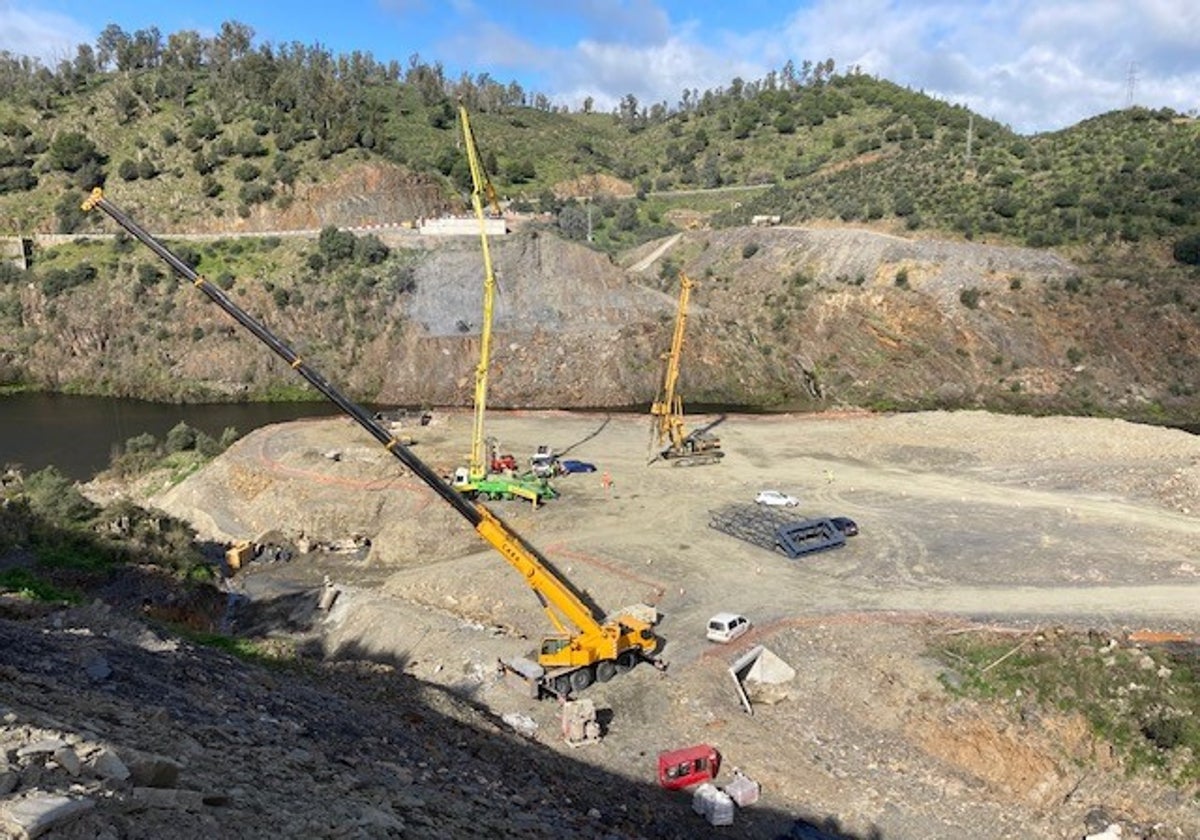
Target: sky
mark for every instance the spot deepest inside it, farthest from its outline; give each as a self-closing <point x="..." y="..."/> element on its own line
<point x="1034" y="65"/>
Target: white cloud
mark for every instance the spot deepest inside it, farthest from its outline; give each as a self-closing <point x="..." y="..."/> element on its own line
<point x="46" y="36"/>
<point x="653" y="74"/>
<point x="1036" y="65"/>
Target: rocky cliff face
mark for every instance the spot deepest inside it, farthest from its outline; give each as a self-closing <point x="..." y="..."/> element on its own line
<point x="781" y="317"/>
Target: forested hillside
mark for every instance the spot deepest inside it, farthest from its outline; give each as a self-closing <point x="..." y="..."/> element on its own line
<point x="224" y="135"/>
<point x="223" y="125"/>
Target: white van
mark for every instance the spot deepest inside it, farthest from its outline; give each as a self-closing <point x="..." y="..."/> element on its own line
<point x="725" y="627"/>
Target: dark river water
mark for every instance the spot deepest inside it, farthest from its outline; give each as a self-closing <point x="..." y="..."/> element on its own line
<point x="77" y="434"/>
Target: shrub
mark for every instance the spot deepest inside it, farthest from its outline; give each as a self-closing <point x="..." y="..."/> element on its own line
<point x="251" y="194"/>
<point x="749" y="250"/>
<point x="10" y="275"/>
<point x="181" y="437"/>
<point x="205" y="127"/>
<point x="69" y="214"/>
<point x="55" y="497"/>
<point x="246" y="171"/>
<point x="1187" y="250"/>
<point x="969" y="298"/>
<point x="370" y="250"/>
<point x="668" y="270"/>
<point x="148" y="274"/>
<point x="58" y="280"/>
<point x="249" y="146"/>
<point x="70" y="151"/>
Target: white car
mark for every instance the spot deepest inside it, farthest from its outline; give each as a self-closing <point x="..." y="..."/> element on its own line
<point x="725" y="627"/>
<point x="776" y="499"/>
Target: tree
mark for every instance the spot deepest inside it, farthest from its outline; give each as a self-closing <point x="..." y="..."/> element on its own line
<point x="336" y="245"/>
<point x="628" y="111"/>
<point x="185" y="50"/>
<point x="109" y="43"/>
<point x="627" y="216"/>
<point x="71" y="150"/>
<point x="572" y="221"/>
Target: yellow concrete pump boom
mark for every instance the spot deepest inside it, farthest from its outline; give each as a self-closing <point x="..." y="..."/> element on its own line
<point x="481" y="186"/>
<point x="586" y="646"/>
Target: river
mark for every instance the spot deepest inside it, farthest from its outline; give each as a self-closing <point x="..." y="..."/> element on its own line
<point x="77" y="434"/>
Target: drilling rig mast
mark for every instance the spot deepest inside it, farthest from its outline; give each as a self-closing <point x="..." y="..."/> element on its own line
<point x="674" y="444"/>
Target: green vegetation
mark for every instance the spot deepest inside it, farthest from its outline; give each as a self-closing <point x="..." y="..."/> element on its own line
<point x="25" y="584"/>
<point x="183" y="452"/>
<point x="269" y="653"/>
<point x="1143" y="700"/>
<point x="76" y="544"/>
<point x="224" y="124"/>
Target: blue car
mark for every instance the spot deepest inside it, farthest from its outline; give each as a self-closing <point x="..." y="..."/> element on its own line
<point x="573" y="466"/>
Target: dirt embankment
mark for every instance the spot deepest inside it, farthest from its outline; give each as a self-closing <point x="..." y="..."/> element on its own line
<point x="810" y="318"/>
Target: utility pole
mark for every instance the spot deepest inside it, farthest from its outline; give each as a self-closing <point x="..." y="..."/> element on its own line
<point x="970" y="134"/>
<point x="1131" y="84"/>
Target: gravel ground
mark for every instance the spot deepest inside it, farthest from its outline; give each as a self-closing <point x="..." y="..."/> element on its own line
<point x="968" y="520"/>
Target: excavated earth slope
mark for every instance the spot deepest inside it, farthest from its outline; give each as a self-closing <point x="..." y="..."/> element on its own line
<point x="800" y="317"/>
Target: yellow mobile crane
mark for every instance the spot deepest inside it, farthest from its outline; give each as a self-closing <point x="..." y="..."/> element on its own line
<point x="675" y="445"/>
<point x="585" y="647"/>
<point x="478" y="478"/>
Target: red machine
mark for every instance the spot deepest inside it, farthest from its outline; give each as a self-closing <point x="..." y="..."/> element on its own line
<point x="688" y="766"/>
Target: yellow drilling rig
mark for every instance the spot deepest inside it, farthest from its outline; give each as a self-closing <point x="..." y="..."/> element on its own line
<point x="674" y="444"/>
